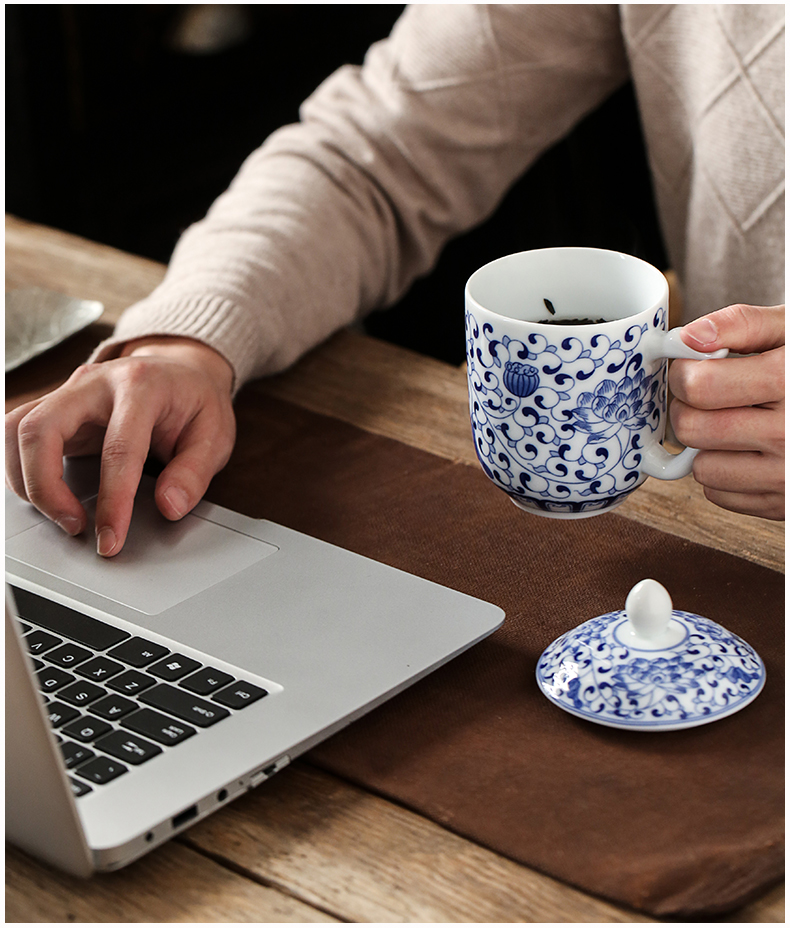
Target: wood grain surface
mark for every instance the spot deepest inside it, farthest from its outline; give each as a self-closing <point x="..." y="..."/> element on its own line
<point x="306" y="846"/>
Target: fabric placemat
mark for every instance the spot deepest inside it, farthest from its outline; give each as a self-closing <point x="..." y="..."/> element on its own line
<point x="679" y="823"/>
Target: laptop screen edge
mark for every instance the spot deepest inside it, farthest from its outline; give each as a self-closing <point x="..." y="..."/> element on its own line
<point x="41" y="814"/>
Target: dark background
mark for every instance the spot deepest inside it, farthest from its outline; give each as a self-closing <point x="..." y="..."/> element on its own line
<point x="120" y="130"/>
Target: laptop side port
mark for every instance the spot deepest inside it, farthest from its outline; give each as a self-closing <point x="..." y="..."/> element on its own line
<point x="186" y="815"/>
<point x="265" y="773"/>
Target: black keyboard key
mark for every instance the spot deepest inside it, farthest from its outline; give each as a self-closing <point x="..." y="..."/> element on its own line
<point x="131" y="682"/>
<point x="39" y="641"/>
<point x="99" y="669"/>
<point x="138" y="652"/>
<point x="74" y="754"/>
<point x="68" y="655"/>
<point x="113" y="707"/>
<point x="239" y="695"/>
<point x="38" y="664"/>
<point x="162" y="729"/>
<point x="174" y="667"/>
<point x="101" y="770"/>
<point x="81" y="693"/>
<point x="67" y="622"/>
<point x="79" y="788"/>
<point x="206" y="681"/>
<point x="53" y="678"/>
<point x="87" y="728"/>
<point x="183" y="705"/>
<point x="128" y="747"/>
<point x="59" y="713"/>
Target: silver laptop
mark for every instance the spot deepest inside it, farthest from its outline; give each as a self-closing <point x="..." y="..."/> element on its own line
<point x="145" y="691"/>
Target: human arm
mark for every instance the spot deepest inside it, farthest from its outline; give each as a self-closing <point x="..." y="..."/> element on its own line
<point x="169" y="396"/>
<point x="337" y="215"/>
<point x="732" y="410"/>
<point x="329" y="219"/>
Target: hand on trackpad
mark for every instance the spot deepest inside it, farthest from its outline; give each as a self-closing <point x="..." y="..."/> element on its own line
<point x="162" y="563"/>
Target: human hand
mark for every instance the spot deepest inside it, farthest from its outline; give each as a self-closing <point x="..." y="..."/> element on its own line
<point x="169" y="396"/>
<point x="733" y="409"/>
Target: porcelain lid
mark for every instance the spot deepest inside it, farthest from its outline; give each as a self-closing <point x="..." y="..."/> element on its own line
<point x="649" y="667"/>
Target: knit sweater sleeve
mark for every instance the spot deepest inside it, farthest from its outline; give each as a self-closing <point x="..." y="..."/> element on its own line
<point x="336" y="215"/>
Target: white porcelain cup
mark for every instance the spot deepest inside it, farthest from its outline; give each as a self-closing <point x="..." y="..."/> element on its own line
<point x="569" y="419"/>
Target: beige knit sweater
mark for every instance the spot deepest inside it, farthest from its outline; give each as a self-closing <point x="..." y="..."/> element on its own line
<point x="338" y="214"/>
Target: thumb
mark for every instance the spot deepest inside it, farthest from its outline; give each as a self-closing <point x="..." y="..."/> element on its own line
<point x="746" y="329"/>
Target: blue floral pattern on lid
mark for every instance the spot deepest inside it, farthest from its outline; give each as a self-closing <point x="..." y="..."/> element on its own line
<point x="709" y="674"/>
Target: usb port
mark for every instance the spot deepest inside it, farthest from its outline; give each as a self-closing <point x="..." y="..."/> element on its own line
<point x="186" y="815"/>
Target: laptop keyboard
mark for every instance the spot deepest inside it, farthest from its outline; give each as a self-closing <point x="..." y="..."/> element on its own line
<point x="116" y="700"/>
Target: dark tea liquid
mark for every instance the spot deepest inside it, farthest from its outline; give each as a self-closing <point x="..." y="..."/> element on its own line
<point x="572" y="321"/>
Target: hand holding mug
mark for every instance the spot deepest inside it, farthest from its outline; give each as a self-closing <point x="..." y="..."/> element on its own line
<point x="734" y="411"/>
<point x="567" y="354"/>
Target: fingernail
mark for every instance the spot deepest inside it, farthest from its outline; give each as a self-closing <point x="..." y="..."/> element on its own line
<point x="177" y="500"/>
<point x="703" y="331"/>
<point x="106" y="541"/>
<point x="69" y="524"/>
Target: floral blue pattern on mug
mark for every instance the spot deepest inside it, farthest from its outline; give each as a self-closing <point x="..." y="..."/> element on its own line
<point x="568" y="413"/>
<point x="547" y="429"/>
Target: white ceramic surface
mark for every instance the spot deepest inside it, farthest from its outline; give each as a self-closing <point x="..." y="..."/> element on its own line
<point x="650" y="668"/>
<point x="568" y="419"/>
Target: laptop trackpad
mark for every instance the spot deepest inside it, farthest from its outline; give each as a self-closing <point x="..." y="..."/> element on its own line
<point x="162" y="563"/>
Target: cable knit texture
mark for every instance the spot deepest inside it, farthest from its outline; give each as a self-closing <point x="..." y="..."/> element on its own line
<point x="337" y="215"/>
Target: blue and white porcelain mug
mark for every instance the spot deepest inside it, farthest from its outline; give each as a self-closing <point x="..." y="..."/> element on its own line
<point x="567" y="354"/>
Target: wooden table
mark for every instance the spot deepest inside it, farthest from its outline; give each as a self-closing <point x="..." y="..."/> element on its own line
<point x="307" y="846"/>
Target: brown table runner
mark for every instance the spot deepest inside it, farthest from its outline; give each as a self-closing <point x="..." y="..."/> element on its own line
<point x="680" y="823"/>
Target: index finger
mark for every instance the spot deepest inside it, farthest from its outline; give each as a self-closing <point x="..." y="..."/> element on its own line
<point x="41" y="435"/>
<point x="732" y="382"/>
<point x="14" y="478"/>
<point x="746" y="329"/>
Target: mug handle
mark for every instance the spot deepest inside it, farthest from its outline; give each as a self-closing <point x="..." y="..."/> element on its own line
<point x="656" y="461"/>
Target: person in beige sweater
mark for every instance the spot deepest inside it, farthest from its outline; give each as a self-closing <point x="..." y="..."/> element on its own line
<point x="336" y="216"/>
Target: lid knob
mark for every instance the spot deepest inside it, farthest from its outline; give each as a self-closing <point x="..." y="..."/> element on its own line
<point x="649" y="611"/>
